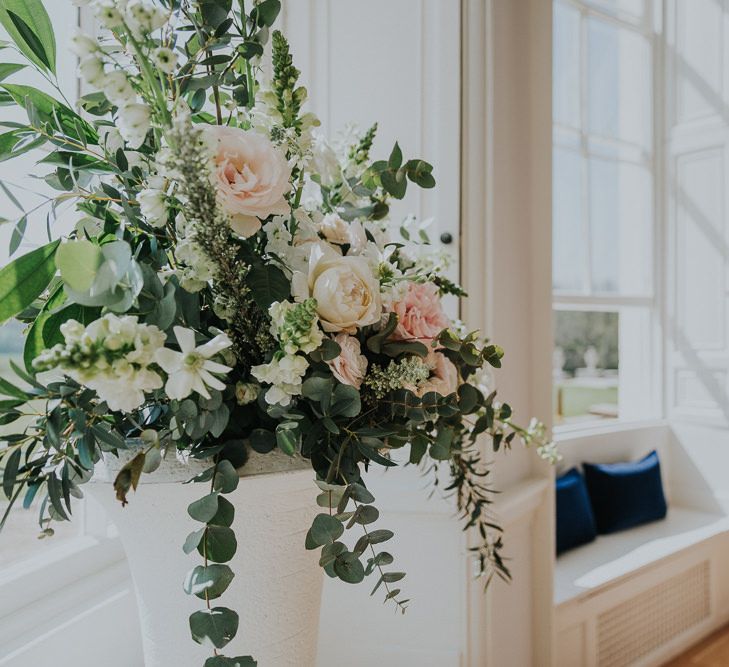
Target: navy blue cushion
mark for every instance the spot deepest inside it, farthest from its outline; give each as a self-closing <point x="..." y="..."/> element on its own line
<point x="624" y="495"/>
<point x="575" y="522"/>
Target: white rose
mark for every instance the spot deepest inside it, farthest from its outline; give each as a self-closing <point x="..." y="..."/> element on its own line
<point x="251" y="177"/>
<point x="134" y="123"/>
<point x="346" y="291"/>
<point x="152" y="204"/>
<point x="92" y="70"/>
<point x="117" y="88"/>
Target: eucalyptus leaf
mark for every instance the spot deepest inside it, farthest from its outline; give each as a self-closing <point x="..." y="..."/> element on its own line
<point x="214" y="627"/>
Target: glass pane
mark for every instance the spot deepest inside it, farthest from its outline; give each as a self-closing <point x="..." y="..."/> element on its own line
<point x="621" y="220"/>
<point x="585" y="365"/>
<point x="568" y="250"/>
<point x="619" y="83"/>
<point x="19" y="537"/>
<point x="633" y="8"/>
<point x="566" y="66"/>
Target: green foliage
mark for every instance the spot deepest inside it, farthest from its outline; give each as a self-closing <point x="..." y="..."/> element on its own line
<point x="214" y="627"/>
<point x="23" y="280"/>
<point x="28" y="24"/>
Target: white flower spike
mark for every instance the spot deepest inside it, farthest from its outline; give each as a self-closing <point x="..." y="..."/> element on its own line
<point x="191" y="369"/>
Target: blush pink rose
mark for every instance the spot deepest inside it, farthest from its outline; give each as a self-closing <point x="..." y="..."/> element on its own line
<point x="251" y="177"/>
<point x="444" y="378"/>
<point x="351" y="365"/>
<point x="419" y="313"/>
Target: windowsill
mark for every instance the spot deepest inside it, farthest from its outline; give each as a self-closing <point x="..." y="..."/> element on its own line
<point x="42" y="575"/>
<point x="567" y="432"/>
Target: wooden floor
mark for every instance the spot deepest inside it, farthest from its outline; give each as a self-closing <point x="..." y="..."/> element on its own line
<point x="711" y="652"/>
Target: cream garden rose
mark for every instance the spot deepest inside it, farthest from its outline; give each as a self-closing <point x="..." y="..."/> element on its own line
<point x="251" y="177"/>
<point x="346" y="291"/>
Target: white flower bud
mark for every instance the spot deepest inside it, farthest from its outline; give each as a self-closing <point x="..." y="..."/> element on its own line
<point x="134" y="123"/>
<point x="117" y="88"/>
<point x="165" y="59"/>
<point x="152" y="204"/>
<point x="83" y="45"/>
<point x="92" y="70"/>
<point x="110" y="139"/>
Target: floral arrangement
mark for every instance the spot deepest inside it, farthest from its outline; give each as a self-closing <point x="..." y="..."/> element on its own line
<point x="234" y="282"/>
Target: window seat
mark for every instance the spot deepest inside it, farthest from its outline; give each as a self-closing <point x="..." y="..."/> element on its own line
<point x="610" y="558"/>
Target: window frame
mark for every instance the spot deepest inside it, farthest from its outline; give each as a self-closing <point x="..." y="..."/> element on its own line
<point x="587" y="299"/>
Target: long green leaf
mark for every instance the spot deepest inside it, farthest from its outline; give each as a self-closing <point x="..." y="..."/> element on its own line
<point x="23" y="280"/>
<point x="50" y="110"/>
<point x="6" y="69"/>
<point x="12" y="144"/>
<point x="29" y="26"/>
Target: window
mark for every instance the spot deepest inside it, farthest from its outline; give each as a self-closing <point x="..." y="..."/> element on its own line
<point x="603" y="210"/>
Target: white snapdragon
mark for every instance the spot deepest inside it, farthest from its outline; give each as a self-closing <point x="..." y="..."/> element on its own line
<point x="164" y="59"/>
<point x="296" y="326"/>
<point x="191" y="369"/>
<point x="134" y="123"/>
<point x="91" y="69"/>
<point x="111" y="356"/>
<point x="285" y="375"/>
<point x="118" y="89"/>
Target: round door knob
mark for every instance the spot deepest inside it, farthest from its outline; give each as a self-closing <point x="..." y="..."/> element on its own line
<point x="446" y="237"/>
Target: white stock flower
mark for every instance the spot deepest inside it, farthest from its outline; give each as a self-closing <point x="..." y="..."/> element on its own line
<point x="134" y="123"/>
<point x="92" y="70"/>
<point x="197" y="270"/>
<point x="117" y="88"/>
<point x="346" y="291"/>
<point x="164" y="59"/>
<point x="191" y="369"/>
<point x="285" y="374"/>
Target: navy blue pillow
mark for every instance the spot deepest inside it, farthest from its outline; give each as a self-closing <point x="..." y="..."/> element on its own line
<point x="624" y="495"/>
<point x="575" y="522"/>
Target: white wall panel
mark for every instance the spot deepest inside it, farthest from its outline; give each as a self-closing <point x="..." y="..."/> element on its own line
<point x="697" y="252"/>
<point x="700" y="262"/>
<point x="699" y="41"/>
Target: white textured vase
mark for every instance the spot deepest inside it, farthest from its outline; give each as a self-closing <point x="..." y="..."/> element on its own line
<point x="277" y="585"/>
